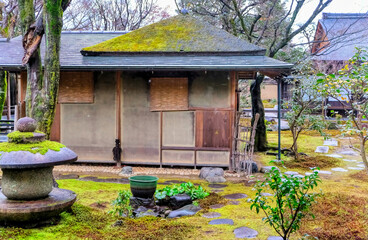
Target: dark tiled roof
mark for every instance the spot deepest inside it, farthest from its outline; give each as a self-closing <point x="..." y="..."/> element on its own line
<point x="178" y="34"/>
<point x="345" y="31"/>
<point x="11" y="54"/>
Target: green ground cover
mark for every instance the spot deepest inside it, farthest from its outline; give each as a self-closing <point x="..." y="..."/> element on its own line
<point x="341" y="213"/>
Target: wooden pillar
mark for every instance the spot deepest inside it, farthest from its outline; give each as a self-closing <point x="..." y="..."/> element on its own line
<point x="8" y="105"/>
<point x="118" y="112"/>
<point x="233" y="106"/>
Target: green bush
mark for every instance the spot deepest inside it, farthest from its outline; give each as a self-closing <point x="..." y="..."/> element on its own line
<point x="188" y="188"/>
<point x="121" y="204"/>
<point x="290" y="202"/>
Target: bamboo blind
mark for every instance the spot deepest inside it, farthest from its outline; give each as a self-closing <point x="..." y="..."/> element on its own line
<point x="76" y="87"/>
<point x="169" y="94"/>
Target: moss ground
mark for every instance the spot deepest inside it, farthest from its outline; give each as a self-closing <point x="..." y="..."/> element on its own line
<point x="341" y="213"/>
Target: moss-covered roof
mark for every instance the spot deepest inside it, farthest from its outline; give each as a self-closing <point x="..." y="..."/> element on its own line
<point x="181" y="33"/>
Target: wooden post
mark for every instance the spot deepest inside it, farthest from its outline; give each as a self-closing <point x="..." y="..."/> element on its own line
<point x="118" y="111"/>
<point x="233" y="105"/>
<point x="8" y="105"/>
<point x="161" y="120"/>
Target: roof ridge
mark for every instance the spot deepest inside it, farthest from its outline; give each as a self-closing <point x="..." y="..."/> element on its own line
<point x="344" y="15"/>
<point x="92" y="32"/>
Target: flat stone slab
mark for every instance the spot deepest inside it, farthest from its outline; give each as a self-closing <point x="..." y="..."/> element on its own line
<point x="174" y="182"/>
<point x="245" y="232"/>
<point x="211" y="215"/>
<point x="274" y="238"/>
<point x="105" y="180"/>
<point x="215" y="185"/>
<point x="264" y="194"/>
<point x="322" y="149"/>
<point x="222" y="221"/>
<point x="334" y="155"/>
<point x="235" y="196"/>
<point x="339" y="169"/>
<point x="67" y="176"/>
<point x="265" y="169"/>
<point x="234" y="202"/>
<point x="187" y="210"/>
<point x="355" y="168"/>
<point x="319" y="172"/>
<point x="332" y="143"/>
<point x="216" y="190"/>
<point x="361" y="165"/>
<point x="348" y="152"/>
<point x="349" y="160"/>
<point x="15" y="212"/>
<point x="291" y="173"/>
<point x="217" y="206"/>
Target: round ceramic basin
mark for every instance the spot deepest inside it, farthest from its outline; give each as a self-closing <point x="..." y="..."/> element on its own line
<point x="143" y="186"/>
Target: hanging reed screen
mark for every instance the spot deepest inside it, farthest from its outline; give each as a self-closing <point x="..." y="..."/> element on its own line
<point x="169" y="94"/>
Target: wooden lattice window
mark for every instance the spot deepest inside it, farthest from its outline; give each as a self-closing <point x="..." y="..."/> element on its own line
<point x="76" y="87"/>
<point x="169" y="94"/>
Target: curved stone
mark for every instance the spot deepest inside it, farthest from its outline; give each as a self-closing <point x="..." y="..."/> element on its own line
<point x="26" y="124"/>
<point x="274" y="238"/>
<point x="245" y="232"/>
<point x="236" y="196"/>
<point x="14" y="212"/>
<point x="211" y="215"/>
<point x="217" y="206"/>
<point x="25" y="159"/>
<point x="222" y="221"/>
<point x="27" y="184"/>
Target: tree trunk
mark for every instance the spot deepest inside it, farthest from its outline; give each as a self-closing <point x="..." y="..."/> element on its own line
<point x="260" y="143"/>
<point x="362" y="153"/>
<point x="3" y="89"/>
<point x="294" y="147"/>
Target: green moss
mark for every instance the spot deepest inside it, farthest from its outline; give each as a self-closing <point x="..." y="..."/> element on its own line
<point x="181" y="33"/>
<point x="18" y="137"/>
<point x="41" y="147"/>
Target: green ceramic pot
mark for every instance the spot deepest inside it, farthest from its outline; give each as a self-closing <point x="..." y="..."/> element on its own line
<point x="143" y="186"/>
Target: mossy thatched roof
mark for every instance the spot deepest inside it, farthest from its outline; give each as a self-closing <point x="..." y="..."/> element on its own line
<point x="181" y="33"/>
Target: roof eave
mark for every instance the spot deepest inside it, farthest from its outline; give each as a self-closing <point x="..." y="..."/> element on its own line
<point x="260" y="52"/>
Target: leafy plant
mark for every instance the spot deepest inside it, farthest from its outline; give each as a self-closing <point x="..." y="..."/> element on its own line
<point x="121" y="204"/>
<point x="188" y="188"/>
<point x="290" y="203"/>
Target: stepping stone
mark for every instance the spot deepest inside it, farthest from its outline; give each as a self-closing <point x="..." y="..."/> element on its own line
<point x="264" y="194"/>
<point x="245" y="232"/>
<point x="322" y="149"/>
<point x="234" y="202"/>
<point x="235" y="196"/>
<point x="361" y="165"/>
<point x="217" y="185"/>
<point x="217" y="206"/>
<point x="174" y="182"/>
<point x="355" y="168"/>
<point x="274" y="238"/>
<point x="291" y="173"/>
<point x="299" y="176"/>
<point x="67" y="176"/>
<point x="222" y="221"/>
<point x="265" y="169"/>
<point x="334" y="155"/>
<point x="339" y="169"/>
<point x="187" y="210"/>
<point x="348" y="152"/>
<point x="216" y="190"/>
<point x="349" y="160"/>
<point x="320" y="172"/>
<point x="211" y="215"/>
<point x="333" y="143"/>
<point x="88" y="178"/>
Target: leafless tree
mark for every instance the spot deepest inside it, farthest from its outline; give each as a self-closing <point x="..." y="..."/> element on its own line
<point x="112" y="15"/>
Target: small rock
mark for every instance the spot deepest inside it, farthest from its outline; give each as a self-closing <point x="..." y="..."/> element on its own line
<point x="149" y="212"/>
<point x="348" y="152"/>
<point x="319" y="172"/>
<point x="217" y="185"/>
<point x="245" y="232"/>
<point x="179" y="201"/>
<point x="211" y="172"/>
<point x="265" y="169"/>
<point x="334" y="155"/>
<point x="127" y="170"/>
<point x="216" y="179"/>
<point x="26" y="124"/>
<point x="332" y="143"/>
<point x="236" y="196"/>
<point x="211" y="215"/>
<point x="322" y="149"/>
<point x="244" y="166"/>
<point x="339" y="169"/>
<point x="118" y="223"/>
<point x="188" y="210"/>
<point x="222" y="221"/>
